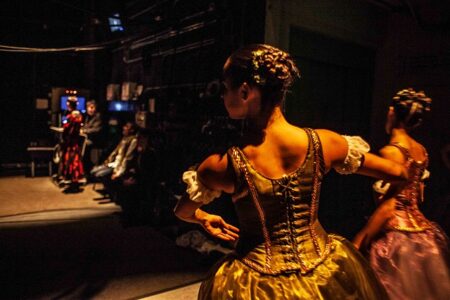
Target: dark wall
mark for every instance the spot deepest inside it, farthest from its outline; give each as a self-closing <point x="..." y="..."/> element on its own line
<point x="334" y="92"/>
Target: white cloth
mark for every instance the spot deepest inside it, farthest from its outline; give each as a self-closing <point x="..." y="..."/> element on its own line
<point x="196" y="190"/>
<point x="381" y="186"/>
<point x="357" y="147"/>
<point x="196" y="240"/>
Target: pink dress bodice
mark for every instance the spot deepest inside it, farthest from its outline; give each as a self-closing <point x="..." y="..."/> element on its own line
<point x="407" y="216"/>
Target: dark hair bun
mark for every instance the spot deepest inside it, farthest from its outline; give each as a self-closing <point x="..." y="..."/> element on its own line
<point x="410" y="106"/>
<point x="272" y="66"/>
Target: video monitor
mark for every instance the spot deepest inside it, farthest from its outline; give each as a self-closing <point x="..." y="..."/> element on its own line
<point x="121" y="106"/>
<point x="115" y="23"/>
<point x="81" y="103"/>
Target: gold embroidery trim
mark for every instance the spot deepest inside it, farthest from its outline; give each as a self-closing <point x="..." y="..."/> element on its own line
<point x="262" y="217"/>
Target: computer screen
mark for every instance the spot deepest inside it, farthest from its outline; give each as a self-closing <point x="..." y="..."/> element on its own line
<point x="121" y="106"/>
<point x="81" y="103"/>
<point x="115" y="23"/>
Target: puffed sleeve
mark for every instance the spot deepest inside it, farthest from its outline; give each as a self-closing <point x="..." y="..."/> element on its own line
<point x="196" y="190"/>
<point x="357" y="147"/>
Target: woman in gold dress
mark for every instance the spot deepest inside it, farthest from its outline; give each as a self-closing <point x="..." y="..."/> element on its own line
<point x="274" y="177"/>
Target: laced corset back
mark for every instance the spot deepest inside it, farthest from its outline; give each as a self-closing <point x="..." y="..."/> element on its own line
<point x="407" y="215"/>
<point x="279" y="229"/>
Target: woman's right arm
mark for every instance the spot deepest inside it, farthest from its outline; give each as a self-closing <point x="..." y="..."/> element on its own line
<point x="206" y="183"/>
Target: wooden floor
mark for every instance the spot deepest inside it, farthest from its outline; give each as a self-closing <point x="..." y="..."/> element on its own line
<point x="60" y="245"/>
<point x="188" y="292"/>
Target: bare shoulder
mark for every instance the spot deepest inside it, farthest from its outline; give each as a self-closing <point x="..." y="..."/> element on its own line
<point x="214" y="173"/>
<point x="331" y="137"/>
<point x="334" y="147"/>
<point x="391" y="152"/>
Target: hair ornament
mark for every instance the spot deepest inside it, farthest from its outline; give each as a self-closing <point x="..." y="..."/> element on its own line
<point x="410" y="106"/>
<point x="273" y="64"/>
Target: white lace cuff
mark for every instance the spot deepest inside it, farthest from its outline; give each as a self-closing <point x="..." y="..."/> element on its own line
<point x="196" y="190"/>
<point x="426" y="174"/>
<point x="381" y="187"/>
<point x="357" y="147"/>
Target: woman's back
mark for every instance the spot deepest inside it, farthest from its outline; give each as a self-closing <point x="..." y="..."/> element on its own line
<point x="416" y="151"/>
<point x="279" y="212"/>
<point x="282" y="151"/>
<point x="406" y="215"/>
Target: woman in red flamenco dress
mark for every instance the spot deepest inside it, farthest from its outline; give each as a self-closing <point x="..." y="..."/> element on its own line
<point x="71" y="166"/>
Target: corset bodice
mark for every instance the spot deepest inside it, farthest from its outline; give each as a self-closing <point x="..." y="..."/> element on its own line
<point x="407" y="216"/>
<point x="279" y="229"/>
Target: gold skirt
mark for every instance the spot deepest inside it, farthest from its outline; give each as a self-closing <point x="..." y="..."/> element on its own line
<point x="344" y="274"/>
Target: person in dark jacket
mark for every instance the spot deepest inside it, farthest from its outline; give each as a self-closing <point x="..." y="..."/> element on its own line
<point x="92" y="128"/>
<point x="121" y="163"/>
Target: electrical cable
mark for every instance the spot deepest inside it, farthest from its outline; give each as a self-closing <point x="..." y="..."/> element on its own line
<point x="90" y="47"/>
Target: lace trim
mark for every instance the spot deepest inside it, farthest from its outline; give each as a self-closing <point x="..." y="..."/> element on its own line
<point x="196" y="190"/>
<point x="262" y="218"/>
<point x="357" y="147"/>
<point x="381" y="186"/>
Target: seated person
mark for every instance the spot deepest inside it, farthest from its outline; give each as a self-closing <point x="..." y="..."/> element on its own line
<point x="120" y="164"/>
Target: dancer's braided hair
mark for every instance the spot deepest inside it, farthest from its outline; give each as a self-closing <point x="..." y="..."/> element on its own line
<point x="410" y="106"/>
<point x="267" y="67"/>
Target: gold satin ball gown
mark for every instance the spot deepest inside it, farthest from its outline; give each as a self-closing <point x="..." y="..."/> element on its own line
<point x="283" y="251"/>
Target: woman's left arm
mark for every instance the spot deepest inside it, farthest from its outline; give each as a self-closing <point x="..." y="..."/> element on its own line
<point x="381" y="168"/>
<point x="350" y="154"/>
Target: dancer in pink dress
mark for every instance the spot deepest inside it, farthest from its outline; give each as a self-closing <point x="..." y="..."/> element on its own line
<point x="408" y="252"/>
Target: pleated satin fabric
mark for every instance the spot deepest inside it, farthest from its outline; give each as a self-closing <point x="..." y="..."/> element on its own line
<point x="345" y="274"/>
<point x="411" y="255"/>
<point x="413" y="265"/>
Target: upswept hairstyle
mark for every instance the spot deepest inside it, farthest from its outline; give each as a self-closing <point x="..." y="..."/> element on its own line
<point x="410" y="107"/>
<point x="265" y="66"/>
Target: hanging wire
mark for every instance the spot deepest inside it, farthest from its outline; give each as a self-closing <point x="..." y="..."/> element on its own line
<point x="7" y="48"/>
<point x="90" y="47"/>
